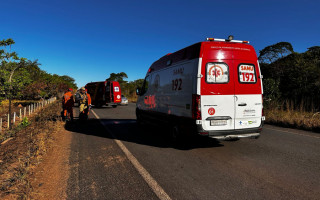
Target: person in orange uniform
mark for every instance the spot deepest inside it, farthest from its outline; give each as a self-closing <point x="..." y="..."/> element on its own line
<point x="67" y="104"/>
<point x="85" y="103"/>
<point x="89" y="101"/>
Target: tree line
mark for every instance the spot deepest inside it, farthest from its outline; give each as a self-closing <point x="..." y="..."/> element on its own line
<point x="291" y="76"/>
<point x="21" y="78"/>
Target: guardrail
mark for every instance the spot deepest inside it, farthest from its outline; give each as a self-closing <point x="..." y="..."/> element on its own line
<point x="26" y="111"/>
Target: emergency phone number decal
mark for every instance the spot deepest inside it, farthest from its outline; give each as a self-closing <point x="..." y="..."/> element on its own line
<point x="247" y="74"/>
<point x="177" y="84"/>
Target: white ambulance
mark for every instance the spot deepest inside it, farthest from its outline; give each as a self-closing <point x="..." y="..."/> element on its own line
<point x="213" y="88"/>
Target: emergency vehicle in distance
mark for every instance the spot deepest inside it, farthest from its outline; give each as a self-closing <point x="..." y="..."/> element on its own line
<point x="104" y="93"/>
<point x="213" y="88"/>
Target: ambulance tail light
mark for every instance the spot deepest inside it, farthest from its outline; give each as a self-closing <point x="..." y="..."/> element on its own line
<point x="196" y="107"/>
<point x="263" y="117"/>
<point x="262" y="105"/>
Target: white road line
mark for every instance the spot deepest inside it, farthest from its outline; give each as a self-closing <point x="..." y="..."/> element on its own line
<point x="157" y="189"/>
<point x="293" y="133"/>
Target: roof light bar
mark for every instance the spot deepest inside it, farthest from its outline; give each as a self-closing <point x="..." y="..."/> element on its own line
<point x="224" y="40"/>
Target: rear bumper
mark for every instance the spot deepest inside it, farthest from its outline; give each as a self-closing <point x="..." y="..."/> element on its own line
<point x="231" y="134"/>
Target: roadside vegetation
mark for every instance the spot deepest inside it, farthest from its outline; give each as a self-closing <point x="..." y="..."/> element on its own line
<point x="22" y="83"/>
<point x="22" y="79"/>
<point x="291" y="86"/>
<point x="23" y="145"/>
<point x="30" y="141"/>
<point x="286" y="115"/>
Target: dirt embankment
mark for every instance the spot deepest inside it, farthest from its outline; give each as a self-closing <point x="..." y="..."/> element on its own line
<point x="49" y="180"/>
<point x="33" y="163"/>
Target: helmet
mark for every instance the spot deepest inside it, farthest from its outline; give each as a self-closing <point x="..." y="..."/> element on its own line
<point x="82" y="88"/>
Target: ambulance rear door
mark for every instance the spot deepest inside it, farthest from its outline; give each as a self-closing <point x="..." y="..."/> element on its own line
<point x="217" y="88"/>
<point x="248" y="89"/>
<point x="116" y="92"/>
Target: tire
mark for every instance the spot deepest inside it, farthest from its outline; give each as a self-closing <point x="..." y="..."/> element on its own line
<point x="114" y="106"/>
<point x="138" y="116"/>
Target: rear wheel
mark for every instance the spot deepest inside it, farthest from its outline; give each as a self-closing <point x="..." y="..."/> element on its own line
<point x="114" y="106"/>
<point x="139" y="119"/>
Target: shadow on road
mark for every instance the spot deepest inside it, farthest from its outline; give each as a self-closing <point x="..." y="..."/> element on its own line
<point x="128" y="130"/>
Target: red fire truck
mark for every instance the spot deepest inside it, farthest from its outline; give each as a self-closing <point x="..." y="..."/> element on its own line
<point x="104" y="93"/>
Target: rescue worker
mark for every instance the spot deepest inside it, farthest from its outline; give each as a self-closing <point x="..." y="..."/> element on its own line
<point x="89" y="101"/>
<point x="84" y="104"/>
<point x="67" y="104"/>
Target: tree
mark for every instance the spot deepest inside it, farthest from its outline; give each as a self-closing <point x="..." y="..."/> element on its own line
<point x="274" y="52"/>
<point x="119" y="77"/>
<point x="271" y="63"/>
<point x="69" y="81"/>
<point x="11" y="62"/>
<point x="295" y="77"/>
<point x="314" y="49"/>
<point x="23" y="79"/>
<point x="129" y="89"/>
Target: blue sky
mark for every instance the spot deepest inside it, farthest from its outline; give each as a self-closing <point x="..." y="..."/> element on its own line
<point x="88" y="40"/>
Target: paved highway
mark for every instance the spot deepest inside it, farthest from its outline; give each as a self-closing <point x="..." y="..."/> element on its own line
<point x="111" y="158"/>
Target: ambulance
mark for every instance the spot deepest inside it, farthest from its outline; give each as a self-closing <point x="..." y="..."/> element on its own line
<point x="212" y="88"/>
<point x="104" y="93"/>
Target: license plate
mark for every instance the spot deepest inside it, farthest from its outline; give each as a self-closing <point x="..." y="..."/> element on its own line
<point x="218" y="122"/>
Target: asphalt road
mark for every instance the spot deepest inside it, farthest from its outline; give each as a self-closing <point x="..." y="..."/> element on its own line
<point x="111" y="158"/>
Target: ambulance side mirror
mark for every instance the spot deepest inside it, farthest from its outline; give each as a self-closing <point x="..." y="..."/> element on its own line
<point x="138" y="91"/>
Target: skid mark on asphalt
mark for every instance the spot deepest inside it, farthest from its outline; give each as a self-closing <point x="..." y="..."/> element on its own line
<point x="156" y="188"/>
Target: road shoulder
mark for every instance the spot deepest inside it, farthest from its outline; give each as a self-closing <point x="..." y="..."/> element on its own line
<point x="50" y="178"/>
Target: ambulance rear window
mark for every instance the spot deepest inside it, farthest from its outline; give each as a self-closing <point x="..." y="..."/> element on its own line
<point x="217" y="73"/>
<point x="247" y="73"/>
